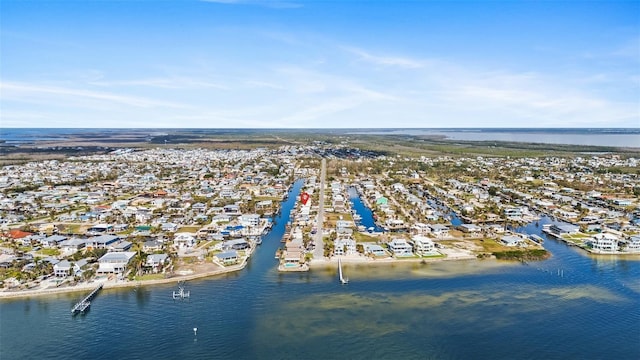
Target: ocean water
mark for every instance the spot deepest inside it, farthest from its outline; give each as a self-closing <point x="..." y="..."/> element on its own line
<point x="590" y="137"/>
<point x="444" y="310"/>
<point x="587" y="137"/>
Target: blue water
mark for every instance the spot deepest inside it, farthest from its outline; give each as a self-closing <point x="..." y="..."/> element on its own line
<point x="617" y="137"/>
<point x="361" y="209"/>
<point x="589" y="137"/>
<point x="443" y="310"/>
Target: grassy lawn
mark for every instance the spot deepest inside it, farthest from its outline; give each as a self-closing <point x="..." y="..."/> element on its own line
<point x="408" y="257"/>
<point x="489" y="245"/>
<point x="49" y="252"/>
<point x="149" y="277"/>
<point x="360" y="237"/>
<point x="579" y="236"/>
<point x="433" y="256"/>
<point x="189" y="229"/>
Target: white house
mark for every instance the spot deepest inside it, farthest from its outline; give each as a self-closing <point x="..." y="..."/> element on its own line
<point x="114" y="262"/>
<point x="632" y="244"/>
<point x="250" y="220"/>
<point x="604" y="242"/>
<point x="400" y="247"/>
<point x="374" y="249"/>
<point x="439" y="230"/>
<point x="73" y="245"/>
<point x="423" y="246"/>
<point x="156" y="261"/>
<point x="102" y="241"/>
<point x="511" y="240"/>
<point x="184" y="240"/>
<point x="228" y="257"/>
<point x="65" y="268"/>
<point x="344" y="247"/>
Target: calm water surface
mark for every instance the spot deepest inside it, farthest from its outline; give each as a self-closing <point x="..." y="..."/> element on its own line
<point x="445" y="310"/>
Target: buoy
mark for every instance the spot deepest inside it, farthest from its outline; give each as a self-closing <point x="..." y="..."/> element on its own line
<point x="195" y="331"/>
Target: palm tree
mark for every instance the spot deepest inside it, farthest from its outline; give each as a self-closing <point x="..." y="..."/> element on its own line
<point x="140" y="256"/>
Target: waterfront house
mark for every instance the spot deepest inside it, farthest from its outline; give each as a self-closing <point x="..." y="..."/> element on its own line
<point x="375" y="250"/>
<point x="604" y="242"/>
<point x="563" y="229"/>
<point x="294" y="251"/>
<point x="114" y="262"/>
<point x="65" y="268"/>
<point x="236" y="244"/>
<point x="156" y="262"/>
<point x="423" y="245"/>
<point x="399" y="247"/>
<point x="632" y="244"/>
<point x="250" y="220"/>
<point x="344" y="246"/>
<point x="511" y="240"/>
<point x="228" y="257"/>
<point x="62" y="269"/>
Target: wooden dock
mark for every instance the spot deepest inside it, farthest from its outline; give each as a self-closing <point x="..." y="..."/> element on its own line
<point x="84" y="304"/>
<point x="343" y="280"/>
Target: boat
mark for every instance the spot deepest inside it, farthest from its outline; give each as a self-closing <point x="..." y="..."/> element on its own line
<point x="343" y="280"/>
<point x="536" y="238"/>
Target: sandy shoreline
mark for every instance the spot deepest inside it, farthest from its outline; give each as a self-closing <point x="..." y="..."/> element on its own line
<point x="114" y="285"/>
<point x="314" y="264"/>
<point x="390" y="260"/>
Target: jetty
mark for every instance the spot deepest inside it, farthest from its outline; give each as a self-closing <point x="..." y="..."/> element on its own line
<point x="84" y="304"/>
<point x="343" y="280"/>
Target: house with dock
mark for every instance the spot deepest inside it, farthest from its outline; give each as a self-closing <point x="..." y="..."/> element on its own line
<point x="114" y="262"/>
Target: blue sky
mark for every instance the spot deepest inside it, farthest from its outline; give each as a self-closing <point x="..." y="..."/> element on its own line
<point x="319" y="64"/>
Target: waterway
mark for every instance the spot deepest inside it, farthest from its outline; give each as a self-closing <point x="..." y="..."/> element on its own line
<point x="445" y="310"/>
<point x="361" y="209"/>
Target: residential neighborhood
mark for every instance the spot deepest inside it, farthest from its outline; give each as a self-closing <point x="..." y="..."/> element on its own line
<point x="133" y="215"/>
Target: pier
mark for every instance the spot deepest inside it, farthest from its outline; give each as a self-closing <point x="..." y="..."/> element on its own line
<point x="84" y="304"/>
<point x="343" y="280"/>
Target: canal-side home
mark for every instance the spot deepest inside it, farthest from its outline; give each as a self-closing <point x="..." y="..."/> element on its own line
<point x="227" y="257"/>
<point x="604" y="243"/>
<point x="632" y="244"/>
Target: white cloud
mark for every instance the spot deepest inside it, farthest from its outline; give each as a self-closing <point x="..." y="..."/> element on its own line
<point x="18" y="91"/>
<point x="385" y="60"/>
<point x="163" y="83"/>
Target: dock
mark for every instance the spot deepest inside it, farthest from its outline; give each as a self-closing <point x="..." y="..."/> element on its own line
<point x="343" y="280"/>
<point x="84" y="304"/>
<point x="181" y="294"/>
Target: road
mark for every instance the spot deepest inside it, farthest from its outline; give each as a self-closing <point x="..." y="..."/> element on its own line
<point x="318" y="252"/>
